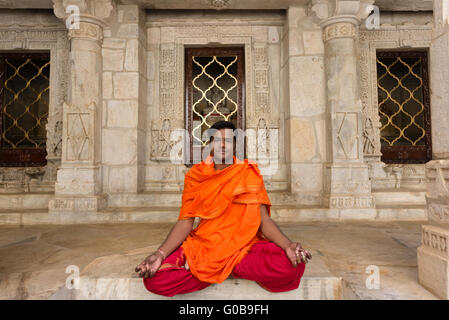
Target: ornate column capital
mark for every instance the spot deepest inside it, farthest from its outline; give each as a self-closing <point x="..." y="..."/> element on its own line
<point x="339" y="18"/>
<point x="85" y="18"/>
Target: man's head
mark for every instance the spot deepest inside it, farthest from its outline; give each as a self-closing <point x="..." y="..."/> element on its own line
<point x="223" y="141"/>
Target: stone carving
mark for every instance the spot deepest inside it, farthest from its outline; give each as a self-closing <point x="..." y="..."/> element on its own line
<point x="351" y="202"/>
<point x="54" y="134"/>
<point x="397" y="172"/>
<point x="261" y="79"/>
<point x="441" y="186"/>
<point x="220" y="4"/>
<point x="369" y="141"/>
<point x="339" y="30"/>
<point x="260" y="55"/>
<point x="87" y="31"/>
<point x="347" y="135"/>
<point x="161" y="144"/>
<point x="25" y="39"/>
<point x="439" y="213"/>
<point x="78" y="132"/>
<point x="167" y="82"/>
<point x="263" y="139"/>
<point x="167" y="57"/>
<point x="262" y="102"/>
<point x="77" y="205"/>
<point x="437" y="181"/>
<point x="436" y="240"/>
<point x="167" y="79"/>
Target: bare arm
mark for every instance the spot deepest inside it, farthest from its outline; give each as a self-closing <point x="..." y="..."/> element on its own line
<point x="177" y="235"/>
<point x="271" y="230"/>
<point x="175" y="238"/>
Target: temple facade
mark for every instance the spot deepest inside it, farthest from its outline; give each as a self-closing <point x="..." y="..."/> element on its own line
<point x="343" y="104"/>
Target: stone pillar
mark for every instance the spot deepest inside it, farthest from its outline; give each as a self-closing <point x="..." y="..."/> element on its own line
<point x="124" y="96"/>
<point x="79" y="182"/>
<point x="433" y="254"/>
<point x="347" y="185"/>
<point x="304" y="95"/>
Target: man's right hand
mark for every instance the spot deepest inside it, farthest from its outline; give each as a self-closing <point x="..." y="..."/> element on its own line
<point x="150" y="265"/>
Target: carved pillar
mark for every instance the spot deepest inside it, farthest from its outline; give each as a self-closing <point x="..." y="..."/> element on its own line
<point x="78" y="186"/>
<point x="347" y="183"/>
<point x="433" y="254"/>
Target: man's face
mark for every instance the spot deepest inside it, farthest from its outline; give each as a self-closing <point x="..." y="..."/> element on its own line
<point x="223" y="146"/>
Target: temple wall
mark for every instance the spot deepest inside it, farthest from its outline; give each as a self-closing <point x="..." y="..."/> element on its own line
<point x="142" y="96"/>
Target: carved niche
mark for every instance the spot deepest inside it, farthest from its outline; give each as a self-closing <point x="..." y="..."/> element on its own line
<point x="388" y="37"/>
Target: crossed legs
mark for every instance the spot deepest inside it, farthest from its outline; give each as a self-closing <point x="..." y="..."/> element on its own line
<point x="266" y="263"/>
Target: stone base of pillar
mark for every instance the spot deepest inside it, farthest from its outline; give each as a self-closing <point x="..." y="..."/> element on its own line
<point x="348" y="186"/>
<point x="78" y="181"/>
<point x="433" y="260"/>
<point x="77" y="204"/>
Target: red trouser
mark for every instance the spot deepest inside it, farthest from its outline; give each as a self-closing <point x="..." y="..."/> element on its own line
<point x="266" y="263"/>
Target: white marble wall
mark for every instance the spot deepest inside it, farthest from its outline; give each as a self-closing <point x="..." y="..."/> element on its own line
<point x="124" y="94"/>
<point x="304" y="98"/>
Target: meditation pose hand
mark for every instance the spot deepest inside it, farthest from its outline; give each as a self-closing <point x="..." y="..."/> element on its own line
<point x="150" y="265"/>
<point x="297" y="254"/>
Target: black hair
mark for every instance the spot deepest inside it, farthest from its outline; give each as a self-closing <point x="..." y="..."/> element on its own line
<point x="220" y="125"/>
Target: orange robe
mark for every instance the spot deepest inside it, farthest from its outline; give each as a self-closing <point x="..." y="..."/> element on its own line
<point x="228" y="203"/>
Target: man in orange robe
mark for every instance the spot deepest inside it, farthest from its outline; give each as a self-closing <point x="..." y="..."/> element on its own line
<point x="236" y="235"/>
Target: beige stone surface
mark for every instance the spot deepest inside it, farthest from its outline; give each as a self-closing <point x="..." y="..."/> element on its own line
<point x="303" y="139"/>
<point x="112" y="60"/>
<point x="33" y="260"/>
<point x="122" y="148"/>
<point x="126" y="85"/>
<point x="122" y="113"/>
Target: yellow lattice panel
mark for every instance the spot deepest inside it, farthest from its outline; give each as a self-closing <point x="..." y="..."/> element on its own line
<point x="27" y="97"/>
<point x="388" y="90"/>
<point x="205" y="93"/>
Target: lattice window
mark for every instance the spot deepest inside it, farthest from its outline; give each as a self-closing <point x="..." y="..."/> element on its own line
<point x="24" y="102"/>
<point x="404" y="106"/>
<point x="214" y="92"/>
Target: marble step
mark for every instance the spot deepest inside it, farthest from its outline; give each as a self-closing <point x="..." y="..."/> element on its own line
<point x="394" y="197"/>
<point x="282" y="213"/>
<point x="317" y="283"/>
<point x="174" y="198"/>
<point x="20" y="201"/>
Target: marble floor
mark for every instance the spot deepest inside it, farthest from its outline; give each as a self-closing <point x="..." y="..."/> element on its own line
<point x="34" y="259"/>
